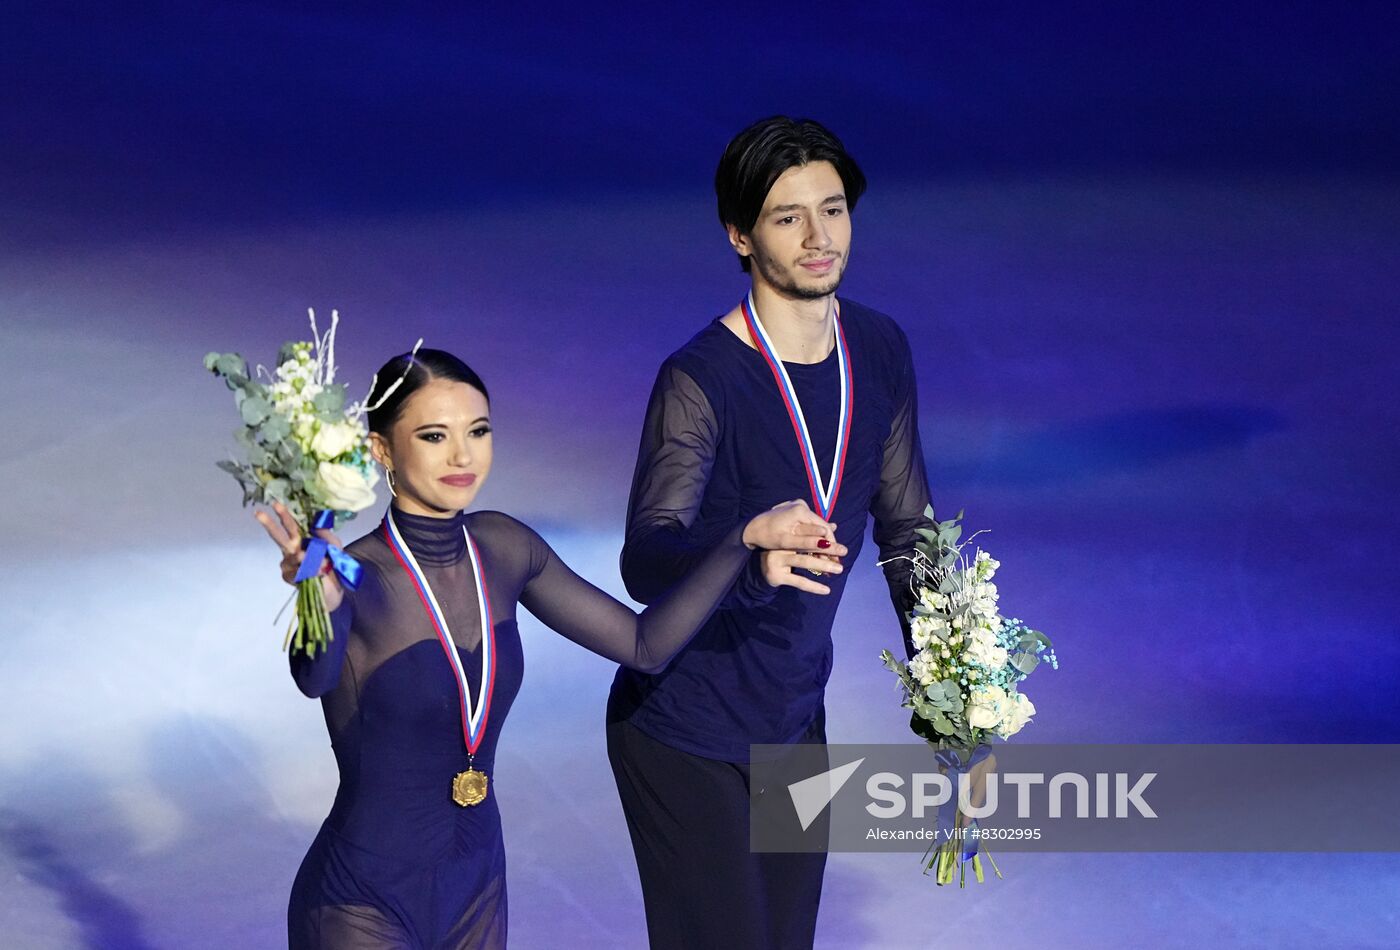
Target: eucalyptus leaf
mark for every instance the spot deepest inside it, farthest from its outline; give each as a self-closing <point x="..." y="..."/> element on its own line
<point x="279" y="490"/>
<point x="330" y="401"/>
<point x="233" y="468"/>
<point x="257" y="456"/>
<point x="274" y="429"/>
<point x="230" y="365"/>
<point x="254" y="410"/>
<point x="943" y="724"/>
<point x="1025" y="662"/>
<point x="289" y="454"/>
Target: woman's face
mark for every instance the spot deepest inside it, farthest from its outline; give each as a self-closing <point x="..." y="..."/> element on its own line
<point x="439" y="449"/>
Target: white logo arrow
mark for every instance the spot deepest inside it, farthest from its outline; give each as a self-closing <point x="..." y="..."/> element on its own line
<point x="811" y="795"/>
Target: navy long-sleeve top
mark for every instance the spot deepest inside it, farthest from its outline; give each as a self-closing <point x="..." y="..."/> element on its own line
<point x="718" y="448"/>
<point x="396" y="855"/>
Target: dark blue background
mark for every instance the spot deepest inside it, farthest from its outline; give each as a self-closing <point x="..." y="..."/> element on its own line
<point x="120" y="117"/>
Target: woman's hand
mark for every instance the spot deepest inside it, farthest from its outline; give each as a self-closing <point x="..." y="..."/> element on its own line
<point x="795" y="538"/>
<point x="287" y="536"/>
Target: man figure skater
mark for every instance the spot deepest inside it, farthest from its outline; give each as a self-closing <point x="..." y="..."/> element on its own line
<point x="791" y="394"/>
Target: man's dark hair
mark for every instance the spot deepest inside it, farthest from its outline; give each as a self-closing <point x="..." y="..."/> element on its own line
<point x="760" y="154"/>
<point x="411" y="372"/>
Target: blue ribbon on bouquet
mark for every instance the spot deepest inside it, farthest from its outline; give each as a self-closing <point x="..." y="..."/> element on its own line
<point x="318" y="549"/>
<point x="948" y="811"/>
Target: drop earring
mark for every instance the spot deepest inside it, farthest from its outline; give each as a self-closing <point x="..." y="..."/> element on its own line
<point x="389" y="478"/>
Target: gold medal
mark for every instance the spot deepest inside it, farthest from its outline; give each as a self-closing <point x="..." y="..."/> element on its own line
<point x="469" y="788"/>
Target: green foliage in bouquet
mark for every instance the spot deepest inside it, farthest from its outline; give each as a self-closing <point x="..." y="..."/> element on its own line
<point x="285" y="421"/>
<point x="301" y="446"/>
<point x="961" y="684"/>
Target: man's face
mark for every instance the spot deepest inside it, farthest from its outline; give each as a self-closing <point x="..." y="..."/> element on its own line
<point x="802" y="239"/>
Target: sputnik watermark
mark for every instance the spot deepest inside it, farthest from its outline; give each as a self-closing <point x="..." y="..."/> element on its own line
<point x="887" y="801"/>
<point x="1027" y="797"/>
<point x="929" y="791"/>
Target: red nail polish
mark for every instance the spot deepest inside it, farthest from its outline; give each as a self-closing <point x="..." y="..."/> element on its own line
<point x="823" y="543"/>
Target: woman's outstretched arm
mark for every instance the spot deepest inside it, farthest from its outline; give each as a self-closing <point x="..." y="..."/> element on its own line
<point x="594" y="619"/>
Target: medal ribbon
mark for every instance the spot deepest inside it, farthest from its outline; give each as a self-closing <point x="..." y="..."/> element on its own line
<point x="823" y="494"/>
<point x="473" y="719"/>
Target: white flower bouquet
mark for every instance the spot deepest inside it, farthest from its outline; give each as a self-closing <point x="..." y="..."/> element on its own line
<point x="962" y="683"/>
<point x="304" y="447"/>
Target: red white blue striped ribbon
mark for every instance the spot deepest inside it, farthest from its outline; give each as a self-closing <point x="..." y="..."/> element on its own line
<point x="824" y="493"/>
<point x="474" y="717"/>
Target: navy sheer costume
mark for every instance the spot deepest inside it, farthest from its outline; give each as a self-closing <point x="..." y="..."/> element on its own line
<point x="717" y="448"/>
<point x="397" y="863"/>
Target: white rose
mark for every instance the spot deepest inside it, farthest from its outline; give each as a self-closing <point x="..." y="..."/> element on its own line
<point x="1017" y="715"/>
<point x="345" y="487"/>
<point x="983" y="650"/>
<point x="981" y="639"/>
<point x="977" y="651"/>
<point x="985" y="707"/>
<point x="334" y="439"/>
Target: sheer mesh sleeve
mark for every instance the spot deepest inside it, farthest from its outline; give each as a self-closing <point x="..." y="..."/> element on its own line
<point x="317" y="677"/>
<point x="663" y="543"/>
<point x="591" y="618"/>
<point x="902" y="497"/>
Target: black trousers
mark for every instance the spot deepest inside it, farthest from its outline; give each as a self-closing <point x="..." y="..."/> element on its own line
<point x="689" y="821"/>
